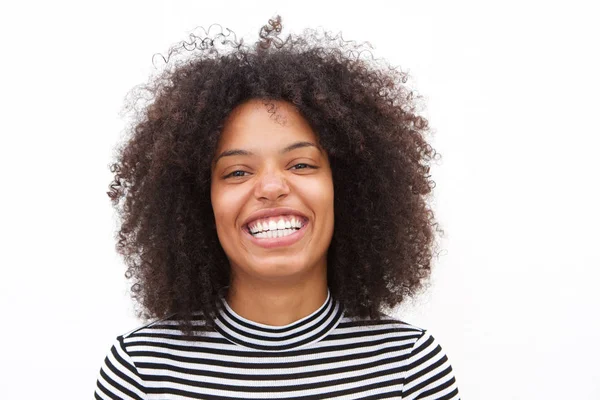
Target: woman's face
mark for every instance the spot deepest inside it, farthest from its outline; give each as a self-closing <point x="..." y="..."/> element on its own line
<point x="269" y="174"/>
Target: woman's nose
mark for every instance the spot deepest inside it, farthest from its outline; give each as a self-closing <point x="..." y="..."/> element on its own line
<point x="271" y="185"/>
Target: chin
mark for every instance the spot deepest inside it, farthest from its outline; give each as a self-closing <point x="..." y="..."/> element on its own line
<point x="279" y="269"/>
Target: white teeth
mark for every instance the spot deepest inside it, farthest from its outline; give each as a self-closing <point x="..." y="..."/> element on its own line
<point x="274" y="234"/>
<point x="286" y="227"/>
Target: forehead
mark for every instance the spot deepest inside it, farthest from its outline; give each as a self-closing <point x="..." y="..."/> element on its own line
<point x="258" y="124"/>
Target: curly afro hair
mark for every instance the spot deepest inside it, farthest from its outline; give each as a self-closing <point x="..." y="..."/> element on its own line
<point x="367" y="121"/>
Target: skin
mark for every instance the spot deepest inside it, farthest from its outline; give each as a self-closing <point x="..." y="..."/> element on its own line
<point x="275" y="286"/>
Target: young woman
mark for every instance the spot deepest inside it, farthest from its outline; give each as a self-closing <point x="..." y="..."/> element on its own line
<point x="273" y="204"/>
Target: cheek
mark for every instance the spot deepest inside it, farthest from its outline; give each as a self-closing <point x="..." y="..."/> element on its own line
<point x="227" y="205"/>
<point x="321" y="196"/>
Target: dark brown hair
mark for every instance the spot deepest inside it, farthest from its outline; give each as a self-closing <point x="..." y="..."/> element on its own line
<point x="367" y="121"/>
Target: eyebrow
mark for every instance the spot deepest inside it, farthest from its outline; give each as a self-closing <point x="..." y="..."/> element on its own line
<point x="241" y="152"/>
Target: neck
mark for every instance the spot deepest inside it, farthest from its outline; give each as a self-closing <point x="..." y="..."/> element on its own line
<point x="276" y="304"/>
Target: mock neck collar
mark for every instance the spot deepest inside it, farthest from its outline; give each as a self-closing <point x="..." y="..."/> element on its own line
<point x="302" y="332"/>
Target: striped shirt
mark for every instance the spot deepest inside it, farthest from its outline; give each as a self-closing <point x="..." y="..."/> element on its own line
<point x="324" y="355"/>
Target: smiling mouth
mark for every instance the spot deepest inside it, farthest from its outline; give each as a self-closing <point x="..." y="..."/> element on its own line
<point x="279" y="229"/>
<point x="277" y="238"/>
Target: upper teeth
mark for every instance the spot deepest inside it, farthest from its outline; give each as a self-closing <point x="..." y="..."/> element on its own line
<point x="274" y="224"/>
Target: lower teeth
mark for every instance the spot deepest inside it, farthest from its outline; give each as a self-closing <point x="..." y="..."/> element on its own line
<point x="274" y="234"/>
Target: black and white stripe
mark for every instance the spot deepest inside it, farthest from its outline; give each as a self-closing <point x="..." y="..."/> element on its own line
<point x="322" y="356"/>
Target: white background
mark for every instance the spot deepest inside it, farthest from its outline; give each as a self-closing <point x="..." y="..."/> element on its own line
<point x="511" y="92"/>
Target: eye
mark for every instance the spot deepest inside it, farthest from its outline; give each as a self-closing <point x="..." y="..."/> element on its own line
<point x="235" y="174"/>
<point x="303" y="166"/>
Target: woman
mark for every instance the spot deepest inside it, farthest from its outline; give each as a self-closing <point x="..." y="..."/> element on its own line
<point x="274" y="206"/>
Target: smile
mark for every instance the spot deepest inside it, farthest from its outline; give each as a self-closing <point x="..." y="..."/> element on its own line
<point x="275" y="226"/>
<point x="276" y="232"/>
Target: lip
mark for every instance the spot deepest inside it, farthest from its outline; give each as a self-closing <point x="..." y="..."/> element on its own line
<point x="271" y="212"/>
<point x="269" y="243"/>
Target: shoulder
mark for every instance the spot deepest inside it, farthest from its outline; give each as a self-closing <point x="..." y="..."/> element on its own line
<point x="165" y="330"/>
<point x="426" y="369"/>
<point x="119" y="376"/>
<point x="167" y="325"/>
<point x="416" y="340"/>
<point x="419" y="351"/>
<point x="385" y="329"/>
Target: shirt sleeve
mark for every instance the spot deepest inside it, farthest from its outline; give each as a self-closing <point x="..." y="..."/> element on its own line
<point x="428" y="373"/>
<point x="118" y="377"/>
